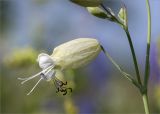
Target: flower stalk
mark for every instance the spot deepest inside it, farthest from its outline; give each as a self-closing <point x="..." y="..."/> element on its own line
<point x="130" y="44"/>
<point x="126" y="75"/>
<point x="147" y="63"/>
<point x="134" y="56"/>
<point x="145" y="102"/>
<point x="143" y="87"/>
<point x="147" y="66"/>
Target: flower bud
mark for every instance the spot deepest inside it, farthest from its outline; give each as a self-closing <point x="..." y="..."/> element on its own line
<point x="76" y="53"/>
<point x="98" y="12"/>
<point x="123" y="16"/>
<point x="87" y="3"/>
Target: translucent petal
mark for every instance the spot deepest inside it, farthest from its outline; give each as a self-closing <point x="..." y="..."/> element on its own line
<point x="44" y="60"/>
<point x="48" y="74"/>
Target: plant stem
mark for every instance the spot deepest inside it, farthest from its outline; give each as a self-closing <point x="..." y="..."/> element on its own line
<point x="142" y="88"/>
<point x="126" y="75"/>
<point x="114" y="18"/>
<point x="145" y="102"/>
<point x="147" y="64"/>
<point x="130" y="43"/>
<point x="134" y="56"/>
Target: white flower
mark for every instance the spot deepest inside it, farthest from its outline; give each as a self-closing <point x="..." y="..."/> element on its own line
<point x="72" y="54"/>
<point x="47" y="65"/>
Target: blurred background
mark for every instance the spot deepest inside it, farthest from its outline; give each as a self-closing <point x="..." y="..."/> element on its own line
<point x="30" y="27"/>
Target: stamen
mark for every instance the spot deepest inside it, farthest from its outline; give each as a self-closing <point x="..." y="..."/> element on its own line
<point x="29" y="78"/>
<point x="34" y="86"/>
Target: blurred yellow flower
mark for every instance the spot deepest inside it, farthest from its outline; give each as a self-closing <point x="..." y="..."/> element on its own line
<point x="20" y="58"/>
<point x="157" y="94"/>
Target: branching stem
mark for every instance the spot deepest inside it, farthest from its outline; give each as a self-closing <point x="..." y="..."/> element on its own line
<point x="126" y="75"/>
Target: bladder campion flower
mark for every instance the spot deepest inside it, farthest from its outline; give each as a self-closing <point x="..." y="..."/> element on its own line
<point x="70" y="55"/>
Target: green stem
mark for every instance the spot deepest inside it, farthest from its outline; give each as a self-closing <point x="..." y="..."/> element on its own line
<point x="130" y="43"/>
<point x="126" y="75"/>
<point x="145" y="102"/>
<point x="147" y="65"/>
<point x="134" y="56"/>
<point x="114" y="18"/>
<point x="142" y="88"/>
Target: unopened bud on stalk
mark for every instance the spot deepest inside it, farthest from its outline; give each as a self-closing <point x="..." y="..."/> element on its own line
<point x="87" y="3"/>
<point x="123" y="16"/>
<point x="98" y="12"/>
<point x="72" y="54"/>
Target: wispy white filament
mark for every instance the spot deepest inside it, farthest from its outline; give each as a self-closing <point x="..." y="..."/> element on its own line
<point x="29" y="78"/>
<point x="45" y="72"/>
<point x="34" y="86"/>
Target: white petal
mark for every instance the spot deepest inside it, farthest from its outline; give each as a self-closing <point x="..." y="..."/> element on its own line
<point x="44" y="60"/>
